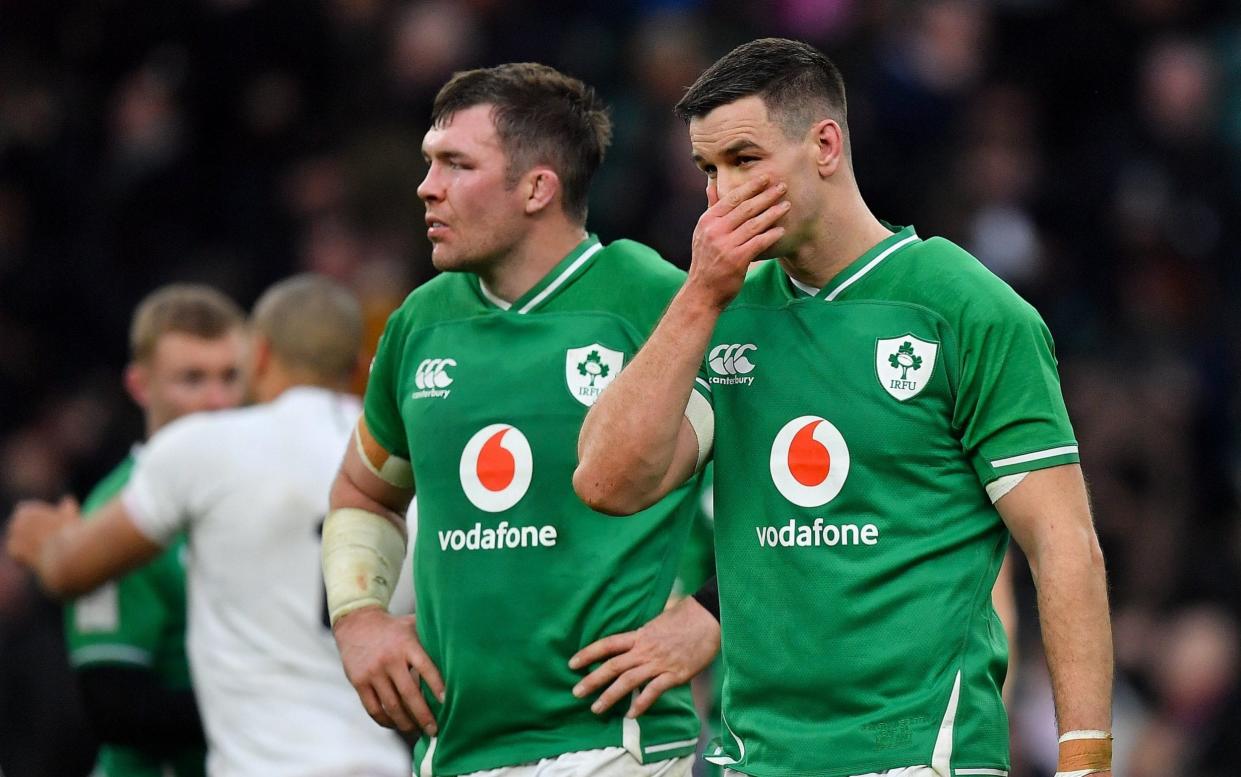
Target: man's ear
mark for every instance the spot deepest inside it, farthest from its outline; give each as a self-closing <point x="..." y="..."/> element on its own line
<point x="137" y="380"/>
<point x="260" y="355"/>
<point x="829" y="143"/>
<point x="542" y="187"/>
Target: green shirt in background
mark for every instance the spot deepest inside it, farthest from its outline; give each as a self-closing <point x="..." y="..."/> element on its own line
<point x="138" y="620"/>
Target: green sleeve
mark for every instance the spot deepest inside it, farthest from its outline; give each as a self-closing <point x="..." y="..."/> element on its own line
<point x="381" y="408"/>
<point x="1009" y="406"/>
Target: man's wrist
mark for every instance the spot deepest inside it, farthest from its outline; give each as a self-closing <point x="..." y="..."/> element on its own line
<point x="699" y="301"/>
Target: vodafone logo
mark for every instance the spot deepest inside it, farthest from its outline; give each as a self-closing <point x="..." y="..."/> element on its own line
<point x="809" y="461"/>
<point x="496" y="467"/>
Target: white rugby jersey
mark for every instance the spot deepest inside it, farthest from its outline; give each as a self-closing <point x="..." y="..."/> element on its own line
<point x="251" y="488"/>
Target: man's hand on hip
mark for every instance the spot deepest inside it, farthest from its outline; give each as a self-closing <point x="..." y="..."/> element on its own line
<point x="668" y="651"/>
<point x="383" y="660"/>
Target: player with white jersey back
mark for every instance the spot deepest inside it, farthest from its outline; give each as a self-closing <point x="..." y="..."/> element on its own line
<point x="250" y="487"/>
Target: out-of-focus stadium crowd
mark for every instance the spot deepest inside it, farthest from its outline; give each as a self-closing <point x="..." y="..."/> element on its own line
<point x="1088" y="153"/>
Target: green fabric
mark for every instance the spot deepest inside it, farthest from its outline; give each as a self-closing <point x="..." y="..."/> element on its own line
<point x="137" y="620"/>
<point x="856" y="545"/>
<point x="487" y="399"/>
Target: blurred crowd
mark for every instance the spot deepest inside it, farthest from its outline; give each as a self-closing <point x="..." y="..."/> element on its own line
<point x="1088" y="153"/>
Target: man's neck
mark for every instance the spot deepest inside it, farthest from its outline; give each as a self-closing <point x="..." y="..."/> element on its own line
<point x="528" y="263"/>
<point x="841" y="238"/>
<point x="280" y="379"/>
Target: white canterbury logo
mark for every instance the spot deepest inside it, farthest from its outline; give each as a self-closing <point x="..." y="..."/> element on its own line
<point x="432" y="378"/>
<point x="730" y="359"/>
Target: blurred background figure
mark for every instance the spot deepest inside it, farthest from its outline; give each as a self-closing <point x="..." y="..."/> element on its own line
<point x="1089" y="153"/>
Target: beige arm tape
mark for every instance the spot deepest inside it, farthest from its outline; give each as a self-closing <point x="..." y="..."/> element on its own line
<point x="392" y="470"/>
<point x="362" y="557"/>
<point x="1084" y="752"/>
<point x="701" y="417"/>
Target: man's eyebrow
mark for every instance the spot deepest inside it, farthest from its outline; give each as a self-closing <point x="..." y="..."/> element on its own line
<point x="730" y="151"/>
<point x="739" y="146"/>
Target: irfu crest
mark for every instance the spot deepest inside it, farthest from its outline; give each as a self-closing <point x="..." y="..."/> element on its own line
<point x="589" y="369"/>
<point x="904" y="365"/>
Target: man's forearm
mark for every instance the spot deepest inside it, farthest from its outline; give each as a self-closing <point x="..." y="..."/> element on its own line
<point x="629" y="438"/>
<point x="1077" y="636"/>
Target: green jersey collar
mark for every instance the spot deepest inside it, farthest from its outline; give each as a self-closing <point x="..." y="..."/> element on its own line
<point x="859" y="267"/>
<point x="566" y="271"/>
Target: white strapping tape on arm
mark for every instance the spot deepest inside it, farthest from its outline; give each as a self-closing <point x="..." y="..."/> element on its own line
<point x="362" y="556"/>
<point x="701" y="417"/>
<point x="1002" y="485"/>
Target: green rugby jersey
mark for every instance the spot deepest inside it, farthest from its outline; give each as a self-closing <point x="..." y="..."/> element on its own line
<point x="855" y="432"/>
<point x="513" y="574"/>
<point x="137" y="620"/>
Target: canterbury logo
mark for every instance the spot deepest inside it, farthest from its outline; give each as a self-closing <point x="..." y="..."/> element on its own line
<point x="730" y="359"/>
<point x="432" y="374"/>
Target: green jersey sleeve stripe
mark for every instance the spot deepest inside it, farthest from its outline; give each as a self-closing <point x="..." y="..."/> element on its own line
<point x="96" y="654"/>
<point x="704" y="386"/>
<point x="1026" y="458"/>
<point x="995" y="772"/>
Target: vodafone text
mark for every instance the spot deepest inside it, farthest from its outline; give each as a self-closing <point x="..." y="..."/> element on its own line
<point x="499" y="538"/>
<point x="816" y="535"/>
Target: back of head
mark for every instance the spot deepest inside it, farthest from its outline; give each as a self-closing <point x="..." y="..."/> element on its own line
<point x="311" y="324"/>
<point x="797" y="83"/>
<point x="185" y="308"/>
<point x="543" y="117"/>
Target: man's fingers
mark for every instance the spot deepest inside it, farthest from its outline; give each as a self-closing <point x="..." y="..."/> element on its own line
<point x="412" y="702"/>
<point x="763" y="202"/>
<point x="624" y="685"/>
<point x="601" y="649"/>
<point x="418" y="659"/>
<point x="760" y="222"/>
<point x="742" y="193"/>
<point x="605" y="674"/>
<point x="391" y="701"/>
<point x="373" y="708"/>
<point x="653" y="690"/>
<point x="758" y="244"/>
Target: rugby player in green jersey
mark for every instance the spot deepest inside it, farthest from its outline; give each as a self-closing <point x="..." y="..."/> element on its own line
<point x="883" y="413"/>
<point x="475" y="401"/>
<point x="127" y="639"/>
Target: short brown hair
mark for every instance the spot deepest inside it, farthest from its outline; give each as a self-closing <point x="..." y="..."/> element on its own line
<point x="542" y="116"/>
<point x="311" y="323"/>
<point x="189" y="308"/>
<point x="797" y="83"/>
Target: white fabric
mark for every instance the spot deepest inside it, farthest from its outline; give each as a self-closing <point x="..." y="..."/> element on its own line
<point x="1084" y="733"/>
<point x="701" y="417"/>
<point x="605" y="762"/>
<point x="251" y="488"/>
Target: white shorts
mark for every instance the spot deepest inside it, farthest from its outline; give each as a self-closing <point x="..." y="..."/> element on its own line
<point x="607" y="762"/>
<point x="906" y="771"/>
